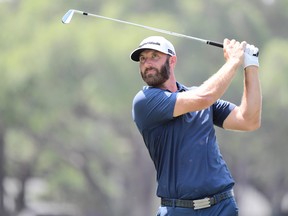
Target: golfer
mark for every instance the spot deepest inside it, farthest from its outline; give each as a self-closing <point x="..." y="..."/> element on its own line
<point x="177" y="125"/>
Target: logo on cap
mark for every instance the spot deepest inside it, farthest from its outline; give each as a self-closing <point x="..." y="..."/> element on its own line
<point x="153" y="43"/>
<point x="171" y="52"/>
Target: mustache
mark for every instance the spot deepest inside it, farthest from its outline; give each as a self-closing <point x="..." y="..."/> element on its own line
<point x="150" y="68"/>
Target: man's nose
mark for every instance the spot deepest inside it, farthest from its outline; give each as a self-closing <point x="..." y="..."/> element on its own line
<point x="148" y="61"/>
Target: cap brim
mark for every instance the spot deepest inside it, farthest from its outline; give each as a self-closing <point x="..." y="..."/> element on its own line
<point x="136" y="54"/>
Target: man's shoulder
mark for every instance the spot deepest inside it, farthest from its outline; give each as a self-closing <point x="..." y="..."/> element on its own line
<point x="148" y="91"/>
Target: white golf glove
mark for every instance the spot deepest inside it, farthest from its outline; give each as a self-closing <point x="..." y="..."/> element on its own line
<point x="251" y="56"/>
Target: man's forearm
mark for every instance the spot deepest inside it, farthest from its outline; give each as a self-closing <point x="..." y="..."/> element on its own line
<point x="251" y="103"/>
<point x="217" y="84"/>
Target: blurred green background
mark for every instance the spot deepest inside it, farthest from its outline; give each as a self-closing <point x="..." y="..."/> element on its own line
<point x="68" y="145"/>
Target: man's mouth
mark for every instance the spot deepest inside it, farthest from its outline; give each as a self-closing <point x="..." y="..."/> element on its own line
<point x="149" y="71"/>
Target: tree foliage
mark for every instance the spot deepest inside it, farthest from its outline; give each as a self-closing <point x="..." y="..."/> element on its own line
<point x="66" y="92"/>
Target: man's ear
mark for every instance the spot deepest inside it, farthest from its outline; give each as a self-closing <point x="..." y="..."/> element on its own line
<point x="173" y="61"/>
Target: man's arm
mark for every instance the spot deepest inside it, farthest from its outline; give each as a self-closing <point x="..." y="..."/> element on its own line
<point x="213" y="88"/>
<point x="247" y="116"/>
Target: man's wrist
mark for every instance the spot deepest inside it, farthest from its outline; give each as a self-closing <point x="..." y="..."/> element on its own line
<point x="234" y="63"/>
<point x="251" y="68"/>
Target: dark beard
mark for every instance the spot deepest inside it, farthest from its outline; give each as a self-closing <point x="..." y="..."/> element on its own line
<point x="160" y="77"/>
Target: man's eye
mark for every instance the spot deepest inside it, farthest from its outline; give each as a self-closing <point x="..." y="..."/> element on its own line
<point x="141" y="59"/>
<point x="154" y="55"/>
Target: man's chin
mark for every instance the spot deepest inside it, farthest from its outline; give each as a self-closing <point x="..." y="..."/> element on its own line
<point x="153" y="83"/>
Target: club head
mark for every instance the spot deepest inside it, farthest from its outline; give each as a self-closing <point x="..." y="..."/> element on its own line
<point x="67" y="17"/>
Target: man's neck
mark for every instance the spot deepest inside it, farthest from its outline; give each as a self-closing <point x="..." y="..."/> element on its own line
<point x="170" y="84"/>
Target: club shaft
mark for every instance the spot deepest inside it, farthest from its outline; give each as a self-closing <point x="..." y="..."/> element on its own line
<point x="212" y="43"/>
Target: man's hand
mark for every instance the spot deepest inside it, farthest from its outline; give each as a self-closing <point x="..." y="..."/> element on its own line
<point x="234" y="51"/>
<point x="251" y="56"/>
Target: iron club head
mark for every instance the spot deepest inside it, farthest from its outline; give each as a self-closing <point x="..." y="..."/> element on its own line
<point x="67" y="17"/>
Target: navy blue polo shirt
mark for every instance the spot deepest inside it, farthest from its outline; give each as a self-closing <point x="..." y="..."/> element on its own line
<point x="184" y="149"/>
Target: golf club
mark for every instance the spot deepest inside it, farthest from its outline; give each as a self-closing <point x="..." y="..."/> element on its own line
<point x="68" y="16"/>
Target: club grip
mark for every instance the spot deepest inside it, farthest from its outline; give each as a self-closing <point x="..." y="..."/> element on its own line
<point x="213" y="43"/>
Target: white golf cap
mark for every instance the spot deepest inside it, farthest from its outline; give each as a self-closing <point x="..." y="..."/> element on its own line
<point x="155" y="43"/>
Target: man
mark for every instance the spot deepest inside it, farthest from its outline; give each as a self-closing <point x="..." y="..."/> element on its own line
<point x="177" y="125"/>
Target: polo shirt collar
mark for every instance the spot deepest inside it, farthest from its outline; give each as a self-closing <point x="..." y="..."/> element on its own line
<point x="180" y="87"/>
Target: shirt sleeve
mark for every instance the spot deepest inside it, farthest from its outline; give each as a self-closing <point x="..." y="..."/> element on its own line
<point x="152" y="107"/>
<point x="221" y="109"/>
